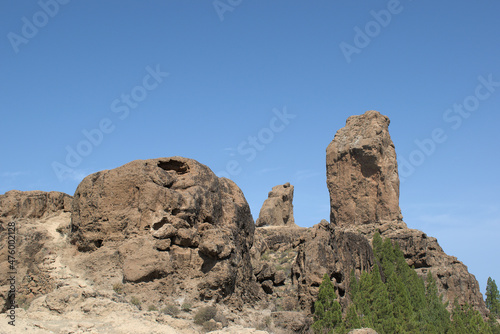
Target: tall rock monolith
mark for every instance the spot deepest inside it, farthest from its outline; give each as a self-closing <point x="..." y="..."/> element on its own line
<point x="362" y="172"/>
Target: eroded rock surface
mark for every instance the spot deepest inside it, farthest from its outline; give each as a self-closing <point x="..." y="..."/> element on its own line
<point x="173" y="225"/>
<point x="25" y="220"/>
<point x="424" y="254"/>
<point x="277" y="209"/>
<point x="17" y="204"/>
<point x="362" y="172"/>
<point x="363" y="182"/>
<point x="329" y="250"/>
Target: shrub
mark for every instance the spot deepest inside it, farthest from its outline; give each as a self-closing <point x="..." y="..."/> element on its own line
<point x="289" y="304"/>
<point x="265" y="256"/>
<point x="186" y="307"/>
<point x="171" y="310"/>
<point x="23" y="302"/>
<point x="118" y="288"/>
<point x="209" y="326"/>
<point x="204" y="314"/>
<point x="152" y="308"/>
<point x="135" y="301"/>
<point x="219" y="317"/>
<point x="264" y="324"/>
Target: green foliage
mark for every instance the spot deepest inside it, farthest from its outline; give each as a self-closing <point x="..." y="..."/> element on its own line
<point x="186" y="307"/>
<point x="435" y="318"/>
<point x="392" y="298"/>
<point x="204" y="314"/>
<point x="209" y="326"/>
<point x="135" y="301"/>
<point x="152" y="308"/>
<point x="118" y="288"/>
<point x="327" y="310"/>
<point x="466" y="320"/>
<point x="265" y="256"/>
<point x="492" y="298"/>
<point x="171" y="309"/>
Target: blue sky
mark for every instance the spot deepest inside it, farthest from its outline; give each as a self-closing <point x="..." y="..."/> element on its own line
<point x="256" y="90"/>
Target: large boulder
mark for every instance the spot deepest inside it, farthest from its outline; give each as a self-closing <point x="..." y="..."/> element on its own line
<point x="173" y="223"/>
<point x="277" y="209"/>
<point x="362" y="172"/>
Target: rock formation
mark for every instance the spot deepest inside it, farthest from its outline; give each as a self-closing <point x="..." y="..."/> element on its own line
<point x="169" y="231"/>
<point x="424" y="254"/>
<point x="362" y="172"/>
<point x="173" y="223"/>
<point x="362" y="179"/>
<point x="277" y="209"/>
<point x="333" y="251"/>
<point x="16" y="204"/>
<point x="32" y="212"/>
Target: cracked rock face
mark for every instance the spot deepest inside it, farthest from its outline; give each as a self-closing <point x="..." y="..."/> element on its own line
<point x="362" y="178"/>
<point x="17" y="204"/>
<point x="325" y="249"/>
<point x="362" y="172"/>
<point x="172" y="220"/>
<point x="277" y="209"/>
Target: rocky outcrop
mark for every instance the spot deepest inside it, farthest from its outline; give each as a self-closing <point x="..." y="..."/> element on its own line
<point x="25" y="218"/>
<point x="329" y="250"/>
<point x="277" y="209"/>
<point x="273" y="254"/>
<point x="17" y="204"/>
<point x="424" y="254"/>
<point x="363" y="182"/>
<point x="173" y="223"/>
<point x="362" y="172"/>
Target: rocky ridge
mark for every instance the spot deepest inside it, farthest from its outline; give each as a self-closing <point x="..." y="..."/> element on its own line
<point x="168" y="231"/>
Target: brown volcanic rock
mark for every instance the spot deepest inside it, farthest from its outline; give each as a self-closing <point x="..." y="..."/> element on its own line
<point x="175" y="225"/>
<point x="33" y="204"/>
<point x="25" y="218"/>
<point x="363" y="182"/>
<point x="424" y="254"/>
<point x="362" y="172"/>
<point x="329" y="250"/>
<point x="277" y="209"/>
<point x="26" y="209"/>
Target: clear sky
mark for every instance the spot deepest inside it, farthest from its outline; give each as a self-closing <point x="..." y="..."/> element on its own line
<point x="256" y="90"/>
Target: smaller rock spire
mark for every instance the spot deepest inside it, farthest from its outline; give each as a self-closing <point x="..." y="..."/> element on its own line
<point x="277" y="209"/>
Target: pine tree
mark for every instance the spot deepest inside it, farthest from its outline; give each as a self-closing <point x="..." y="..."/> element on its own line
<point x="381" y="314"/>
<point x="327" y="311"/>
<point x="492" y="298"/>
<point x="435" y="316"/>
<point x="352" y="319"/>
<point x="466" y="320"/>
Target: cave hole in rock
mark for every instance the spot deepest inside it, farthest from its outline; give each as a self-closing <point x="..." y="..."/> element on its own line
<point x="341" y="292"/>
<point x="209" y="219"/>
<point x="178" y="166"/>
<point x="98" y="243"/>
<point x="153" y="275"/>
<point x="208" y="263"/>
<point x="338" y="277"/>
<point x="175" y="211"/>
<point x="368" y="163"/>
<point x="158" y="225"/>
